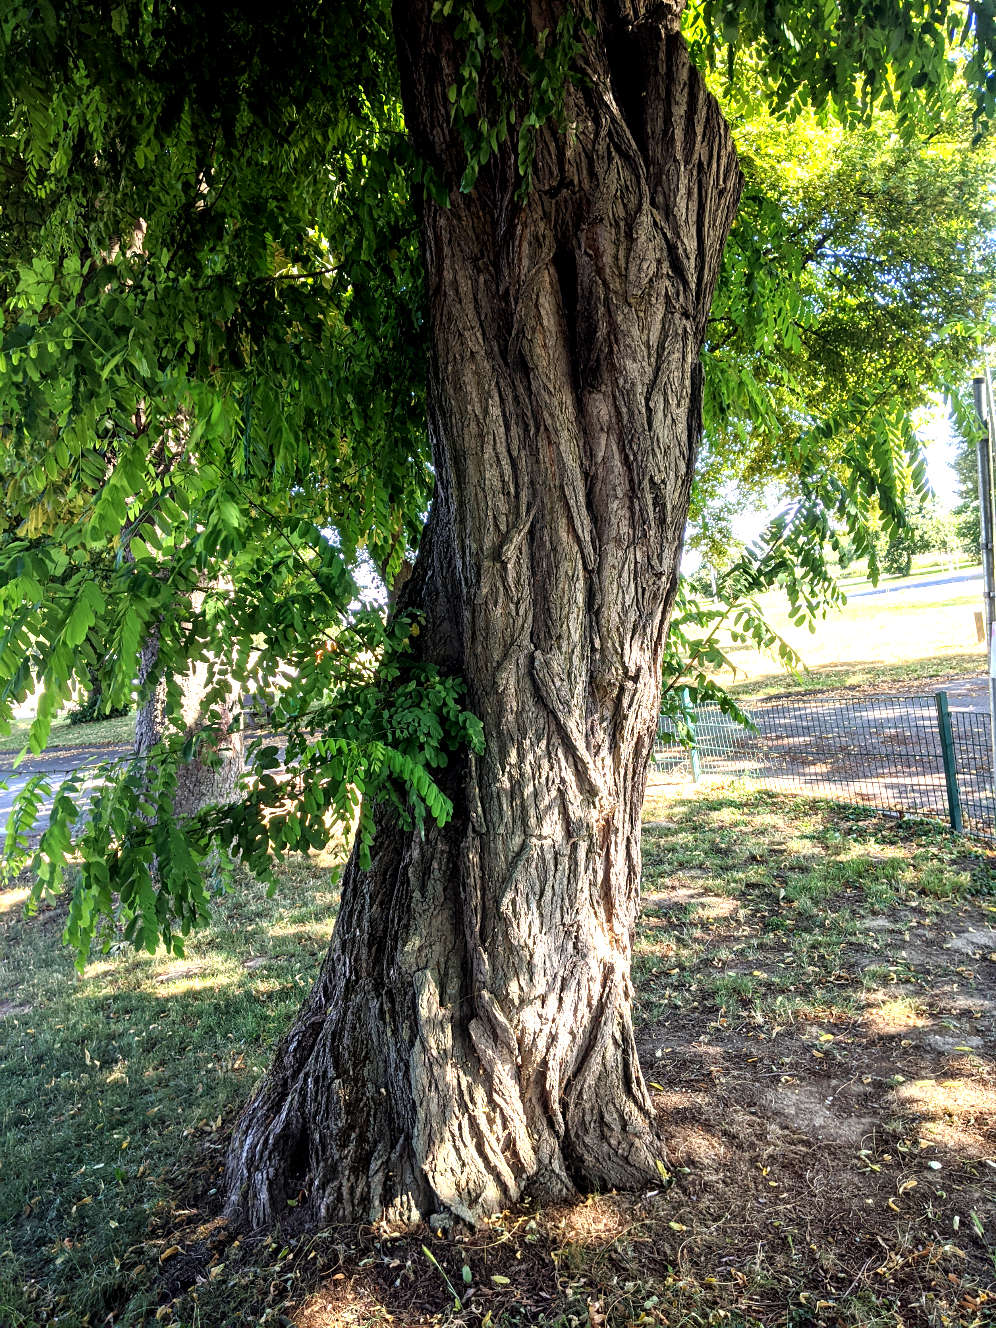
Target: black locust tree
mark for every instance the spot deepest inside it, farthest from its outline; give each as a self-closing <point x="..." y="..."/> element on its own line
<point x="463" y="247"/>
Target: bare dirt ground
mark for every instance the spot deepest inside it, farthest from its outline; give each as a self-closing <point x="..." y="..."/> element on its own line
<point x="857" y="1149"/>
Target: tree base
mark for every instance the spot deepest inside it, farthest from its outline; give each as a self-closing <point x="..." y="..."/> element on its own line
<point x="408" y="1096"/>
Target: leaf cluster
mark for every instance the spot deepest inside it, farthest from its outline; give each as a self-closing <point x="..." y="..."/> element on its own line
<point x="857" y="284"/>
<point x="850" y="57"/>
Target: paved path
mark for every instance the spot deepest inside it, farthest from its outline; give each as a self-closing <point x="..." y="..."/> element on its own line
<point x="968" y="694"/>
<point x="60" y="758"/>
<point x="14" y="785"/>
<point x="54" y="765"/>
<point x="968" y="582"/>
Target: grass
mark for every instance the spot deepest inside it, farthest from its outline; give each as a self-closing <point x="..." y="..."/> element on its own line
<point x="924" y="565"/>
<point x="867" y="677"/>
<point x="116" y="1087"/>
<point x="901" y="642"/>
<point x="813" y="1049"/>
<point x="65" y="736"/>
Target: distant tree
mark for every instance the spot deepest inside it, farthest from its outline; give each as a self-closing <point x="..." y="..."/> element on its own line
<point x="858" y="283"/>
<point x="902" y="546"/>
<point x="966" y="467"/>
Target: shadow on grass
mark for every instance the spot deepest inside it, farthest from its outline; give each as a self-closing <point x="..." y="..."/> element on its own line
<point x="815" y="1013"/>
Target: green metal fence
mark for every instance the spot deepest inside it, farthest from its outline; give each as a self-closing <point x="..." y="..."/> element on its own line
<point x="911" y="755"/>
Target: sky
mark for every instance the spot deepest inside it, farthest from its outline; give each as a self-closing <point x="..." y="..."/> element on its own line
<point x="940" y="445"/>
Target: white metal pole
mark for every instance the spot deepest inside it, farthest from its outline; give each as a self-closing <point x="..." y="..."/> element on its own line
<point x="983" y="392"/>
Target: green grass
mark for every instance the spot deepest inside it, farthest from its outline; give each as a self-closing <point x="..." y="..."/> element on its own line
<point x="112" y="1087"/>
<point x="103" y="732"/>
<point x="899" y="641"/>
<point x="760" y="949"/>
<point x="924" y="565"/>
<point x="912" y="674"/>
<point x="783" y="890"/>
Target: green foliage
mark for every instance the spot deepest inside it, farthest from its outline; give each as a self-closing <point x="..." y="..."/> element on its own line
<point x="207" y="258"/>
<point x="93" y="709"/>
<point x="357" y="712"/>
<point x="790" y="555"/>
<point x="967" y="514"/>
<point x="212" y="389"/>
<point x="211" y="396"/>
<point x="847" y="57"/>
<point x="858" y="282"/>
<point x="924" y="530"/>
<point x="495" y="96"/>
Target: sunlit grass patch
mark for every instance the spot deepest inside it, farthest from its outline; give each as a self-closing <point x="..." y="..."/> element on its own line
<point x="119" y="731"/>
<point x="776" y="892"/>
<point x="14" y="898"/>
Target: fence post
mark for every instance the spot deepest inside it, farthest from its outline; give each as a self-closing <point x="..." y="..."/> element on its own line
<point x="948" y="757"/>
<point x="693" y="751"/>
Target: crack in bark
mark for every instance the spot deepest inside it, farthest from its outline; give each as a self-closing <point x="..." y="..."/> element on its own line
<point x="551" y="683"/>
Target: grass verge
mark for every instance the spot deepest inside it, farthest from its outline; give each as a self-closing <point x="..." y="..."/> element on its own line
<point x="895" y="639"/>
<point x="816" y="992"/>
<point x="868" y="677"/>
<point x="102" y="733"/>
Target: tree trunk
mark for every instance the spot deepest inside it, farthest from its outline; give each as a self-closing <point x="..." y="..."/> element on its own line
<point x="469" y="1038"/>
<point x="198" y="783"/>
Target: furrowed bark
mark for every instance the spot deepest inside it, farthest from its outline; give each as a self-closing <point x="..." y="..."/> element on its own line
<point x="469" y="1040"/>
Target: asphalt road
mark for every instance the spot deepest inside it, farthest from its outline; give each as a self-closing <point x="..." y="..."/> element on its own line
<point x="54" y="765"/>
<point x="968" y="582"/>
<point x="15" y="784"/>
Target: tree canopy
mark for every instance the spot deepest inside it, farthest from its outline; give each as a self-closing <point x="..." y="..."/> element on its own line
<point x="881" y="254"/>
<point x="858" y="284"/>
<point x="213" y="365"/>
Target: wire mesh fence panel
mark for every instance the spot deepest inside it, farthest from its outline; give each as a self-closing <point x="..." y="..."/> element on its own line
<point x="884" y="752"/>
<point x="723" y="746"/>
<point x="974" y="767"/>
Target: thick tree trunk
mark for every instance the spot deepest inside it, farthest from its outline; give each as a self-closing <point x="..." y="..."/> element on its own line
<point x="469" y="1039"/>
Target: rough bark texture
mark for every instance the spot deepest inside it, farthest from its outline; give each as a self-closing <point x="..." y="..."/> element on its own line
<point x="469" y="1038"/>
